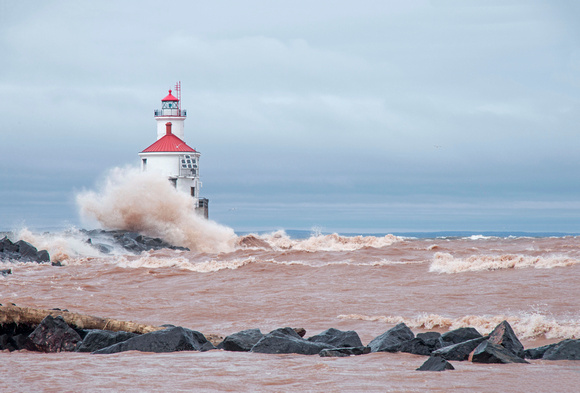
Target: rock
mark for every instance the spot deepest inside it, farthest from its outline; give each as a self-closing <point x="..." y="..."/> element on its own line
<point x="537" y="353"/>
<point x="21" y="251"/>
<point x="27" y="251"/>
<point x="422" y="344"/>
<point x="13" y="336"/>
<point x="436" y="363"/>
<point x="136" y="242"/>
<point x="242" y="341"/>
<point x="391" y="339"/>
<point x="344" y="351"/>
<point x="6" y="246"/>
<point x="103" y="248"/>
<point x="130" y="241"/>
<point x="43" y="256"/>
<point x="286" y="340"/>
<point x="459" y="351"/>
<point x="52" y="335"/>
<point x="20" y="340"/>
<point x="301" y="331"/>
<point x="167" y="340"/>
<point x="504" y="335"/>
<point x="6" y="343"/>
<point x="5" y="272"/>
<point x="458" y="336"/>
<point x="564" y="350"/>
<point x="490" y="352"/>
<point x="338" y="338"/>
<point x="99" y="339"/>
<point x="13" y="329"/>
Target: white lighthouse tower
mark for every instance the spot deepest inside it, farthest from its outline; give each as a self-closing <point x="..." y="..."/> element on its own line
<point x="170" y="155"/>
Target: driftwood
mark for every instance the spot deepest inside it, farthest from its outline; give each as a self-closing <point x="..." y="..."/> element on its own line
<point x="33" y="316"/>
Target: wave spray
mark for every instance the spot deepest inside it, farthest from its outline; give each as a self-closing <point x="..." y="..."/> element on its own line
<point x="146" y="202"/>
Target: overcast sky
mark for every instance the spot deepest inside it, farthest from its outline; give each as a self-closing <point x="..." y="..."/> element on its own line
<point x="373" y="116"/>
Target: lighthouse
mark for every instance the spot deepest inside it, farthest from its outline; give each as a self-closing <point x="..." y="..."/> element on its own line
<point x="170" y="155"/>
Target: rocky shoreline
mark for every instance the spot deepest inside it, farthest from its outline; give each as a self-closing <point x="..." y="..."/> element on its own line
<point x="102" y="240"/>
<point x="53" y="334"/>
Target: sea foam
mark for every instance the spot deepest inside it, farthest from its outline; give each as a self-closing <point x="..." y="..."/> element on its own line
<point x="279" y="240"/>
<point x="526" y="326"/>
<point x="447" y="263"/>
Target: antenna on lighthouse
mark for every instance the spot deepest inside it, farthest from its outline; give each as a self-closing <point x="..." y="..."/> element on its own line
<point x="178" y="92"/>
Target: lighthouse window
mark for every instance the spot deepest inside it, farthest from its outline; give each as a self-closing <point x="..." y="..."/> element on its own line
<point x="144" y="160"/>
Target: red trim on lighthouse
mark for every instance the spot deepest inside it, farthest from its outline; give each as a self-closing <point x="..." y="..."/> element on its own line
<point x="170" y="97"/>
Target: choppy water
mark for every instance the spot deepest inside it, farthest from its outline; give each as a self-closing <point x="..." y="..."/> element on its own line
<point x="361" y="283"/>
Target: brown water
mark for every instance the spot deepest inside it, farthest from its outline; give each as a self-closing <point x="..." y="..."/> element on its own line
<point x="366" y="284"/>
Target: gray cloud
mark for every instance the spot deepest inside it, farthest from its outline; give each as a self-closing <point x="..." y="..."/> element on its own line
<point x="374" y="102"/>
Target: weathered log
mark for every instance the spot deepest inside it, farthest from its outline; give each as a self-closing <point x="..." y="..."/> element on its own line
<point x="33" y="316"/>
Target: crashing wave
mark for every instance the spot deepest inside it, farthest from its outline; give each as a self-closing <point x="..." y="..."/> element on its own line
<point x="447" y="263"/>
<point x="279" y="240"/>
<point x="527" y="326"/>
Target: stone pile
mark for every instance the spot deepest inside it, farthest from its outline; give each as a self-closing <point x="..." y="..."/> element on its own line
<point x="133" y="242"/>
<point x="53" y="334"/>
<point x="21" y="251"/>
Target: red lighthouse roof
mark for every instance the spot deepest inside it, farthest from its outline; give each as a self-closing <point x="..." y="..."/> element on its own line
<point x="169" y="143"/>
<point x="170" y="97"/>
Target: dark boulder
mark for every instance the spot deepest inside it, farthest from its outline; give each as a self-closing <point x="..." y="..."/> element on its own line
<point x="458" y="336"/>
<point x="135" y="242"/>
<point x="490" y="352"/>
<point x="27" y="251"/>
<point x="5" y="272"/>
<point x="103" y="248"/>
<point x="286" y="340"/>
<point x="20" y="340"/>
<point x="13" y="329"/>
<point x="167" y="340"/>
<point x="53" y="335"/>
<point x="504" y="335"/>
<point x="43" y="256"/>
<point x="459" y="351"/>
<point x="99" y="339"/>
<point x="436" y="363"/>
<point x="344" y="352"/>
<point x="422" y="344"/>
<point x="21" y="251"/>
<point x="6" y="343"/>
<point x="6" y="246"/>
<point x="337" y="338"/>
<point x="538" y="352"/>
<point x="242" y="341"/>
<point x="564" y="350"/>
<point x="13" y="336"/>
<point x="391" y="339"/>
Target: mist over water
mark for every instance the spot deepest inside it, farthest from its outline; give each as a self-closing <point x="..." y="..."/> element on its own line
<point x="147" y="203"/>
